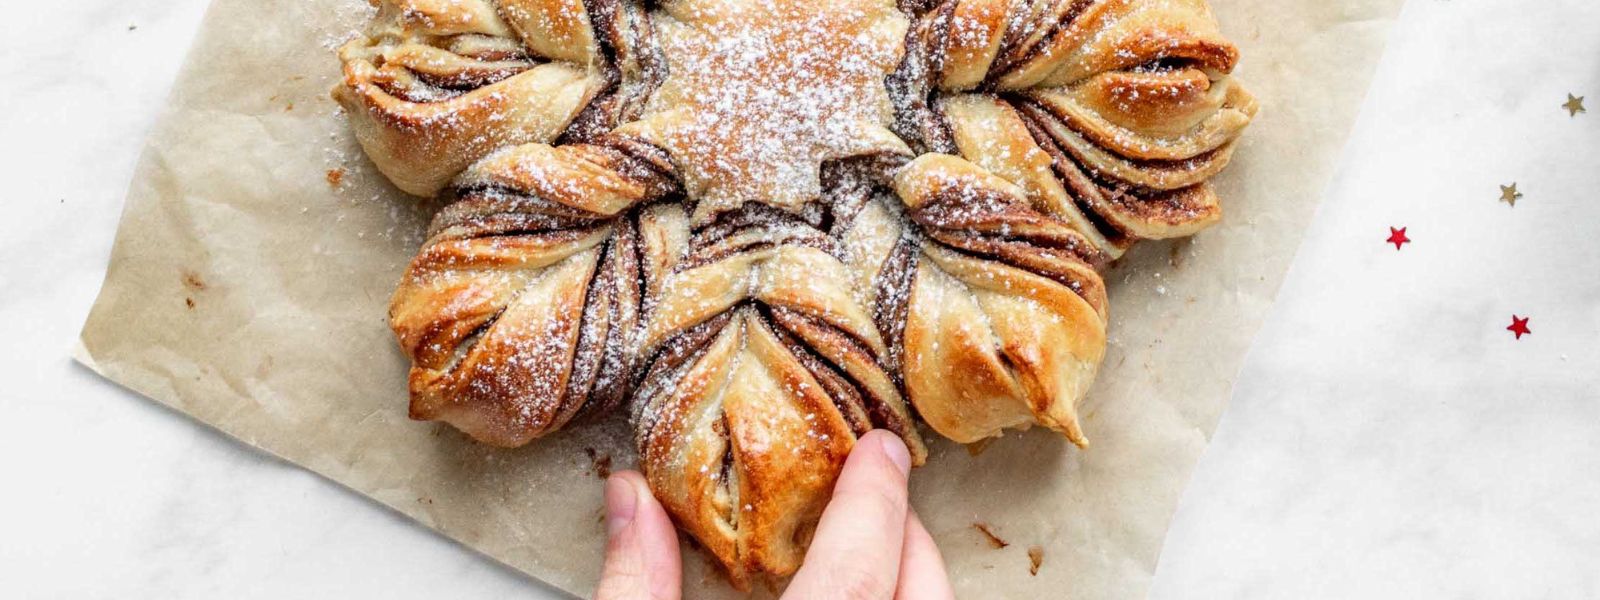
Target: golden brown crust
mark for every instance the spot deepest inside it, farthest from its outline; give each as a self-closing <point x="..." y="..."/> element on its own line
<point x="1000" y="339"/>
<point x="519" y="310"/>
<point x="1080" y="38"/>
<point x="1165" y="115"/>
<point x="991" y="134"/>
<point x="1111" y="114"/>
<point x="555" y="29"/>
<point x="733" y="234"/>
<point x="434" y="85"/>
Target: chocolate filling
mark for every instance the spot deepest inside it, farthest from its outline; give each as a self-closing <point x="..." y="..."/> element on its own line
<point x="856" y="396"/>
<point x="617" y="285"/>
<point x="1014" y="53"/>
<point x="892" y="301"/>
<point x="664" y="365"/>
<point x="1086" y="194"/>
<point x="634" y="68"/>
<point x="847" y="397"/>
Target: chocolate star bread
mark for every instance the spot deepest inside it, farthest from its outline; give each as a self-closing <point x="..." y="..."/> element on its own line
<point x="764" y="228"/>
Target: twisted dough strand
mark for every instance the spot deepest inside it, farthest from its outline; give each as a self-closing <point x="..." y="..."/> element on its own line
<point x="518" y="312"/>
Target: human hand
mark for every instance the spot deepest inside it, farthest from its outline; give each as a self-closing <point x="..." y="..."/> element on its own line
<point x="869" y="545"/>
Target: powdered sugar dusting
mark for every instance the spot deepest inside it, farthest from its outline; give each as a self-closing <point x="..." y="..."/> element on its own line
<point x="761" y="93"/>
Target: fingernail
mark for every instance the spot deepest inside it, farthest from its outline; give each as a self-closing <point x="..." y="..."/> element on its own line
<point x="622" y="502"/>
<point x="897" y="452"/>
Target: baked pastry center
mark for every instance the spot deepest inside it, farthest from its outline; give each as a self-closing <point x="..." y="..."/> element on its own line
<point x="760" y="94"/>
<point x="767" y="227"/>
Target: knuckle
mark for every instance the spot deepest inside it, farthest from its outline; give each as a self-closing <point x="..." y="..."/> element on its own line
<point x="621" y="589"/>
<point x="862" y="585"/>
<point x="879" y="501"/>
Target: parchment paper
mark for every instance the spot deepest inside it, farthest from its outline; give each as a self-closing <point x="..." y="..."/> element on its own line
<point x="249" y="284"/>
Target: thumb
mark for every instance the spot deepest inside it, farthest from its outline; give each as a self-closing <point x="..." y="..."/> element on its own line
<point x="856" y="551"/>
<point x="642" y="560"/>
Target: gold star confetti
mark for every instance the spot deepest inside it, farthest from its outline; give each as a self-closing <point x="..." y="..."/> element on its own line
<point x="1509" y="194"/>
<point x="1574" y="105"/>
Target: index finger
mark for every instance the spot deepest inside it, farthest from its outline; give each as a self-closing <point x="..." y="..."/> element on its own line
<point x="856" y="552"/>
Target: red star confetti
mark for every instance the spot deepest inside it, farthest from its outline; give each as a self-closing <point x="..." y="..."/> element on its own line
<point x="1398" y="237"/>
<point x="1519" y="326"/>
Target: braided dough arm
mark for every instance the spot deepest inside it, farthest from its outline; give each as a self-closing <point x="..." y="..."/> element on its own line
<point x="762" y="372"/>
<point x="1003" y="313"/>
<point x="434" y="85"/>
<point x="519" y="310"/>
<point x="1113" y="115"/>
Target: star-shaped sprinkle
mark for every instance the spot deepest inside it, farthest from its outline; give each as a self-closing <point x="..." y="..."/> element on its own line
<point x="1510" y="195"/>
<point x="1574" y="105"/>
<point x="1398" y="237"/>
<point x="1519" y="326"/>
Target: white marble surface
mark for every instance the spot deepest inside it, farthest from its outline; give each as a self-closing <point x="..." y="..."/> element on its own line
<point x="1388" y="438"/>
<point x="107" y="495"/>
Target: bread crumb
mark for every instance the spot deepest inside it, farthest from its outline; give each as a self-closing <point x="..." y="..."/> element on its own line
<point x="994" y="540"/>
<point x="601" y="463"/>
<point x="193" y="281"/>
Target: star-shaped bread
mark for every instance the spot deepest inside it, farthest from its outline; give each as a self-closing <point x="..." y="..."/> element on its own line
<point x="764" y="228"/>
